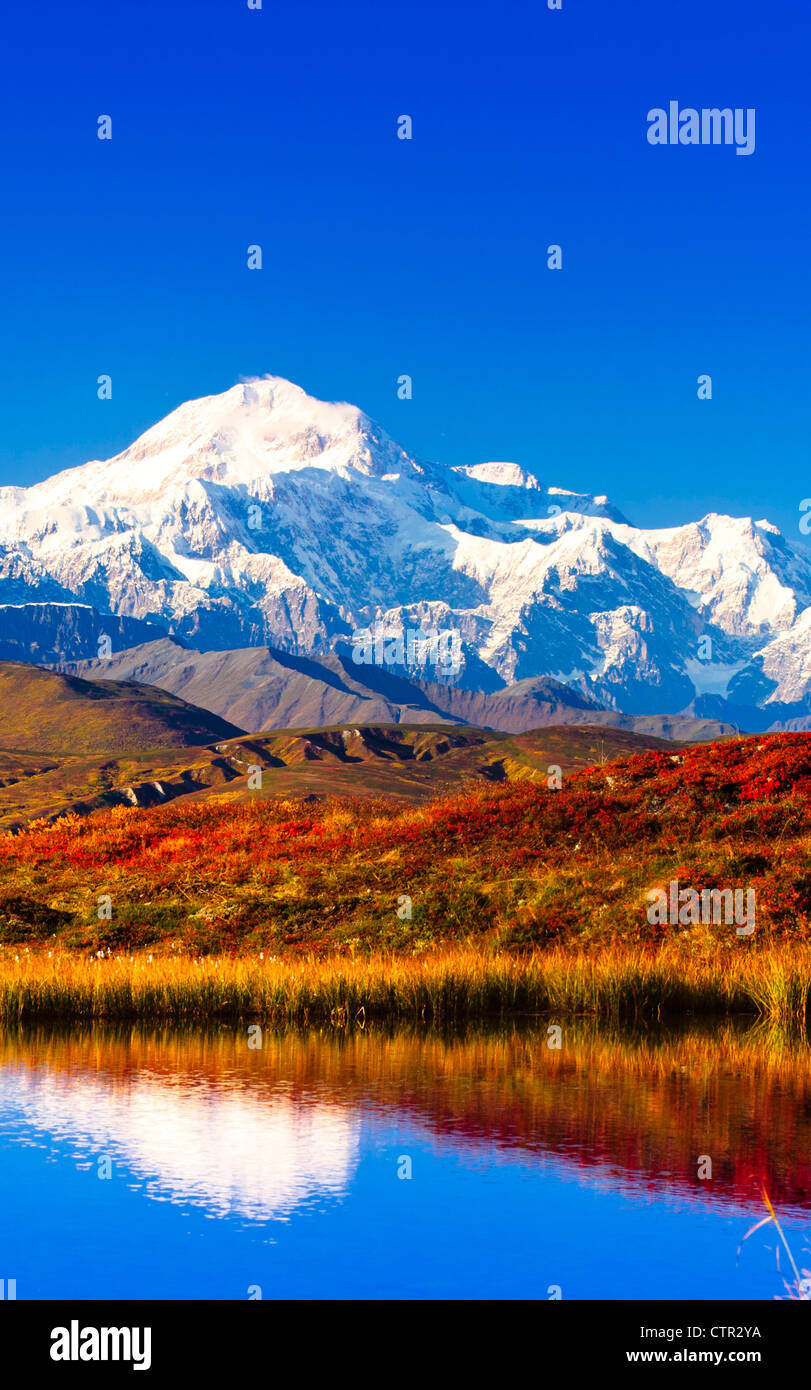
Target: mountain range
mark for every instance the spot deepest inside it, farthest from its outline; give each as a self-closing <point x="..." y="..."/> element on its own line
<point x="261" y="688"/>
<point x="103" y="743"/>
<point x="263" y="518"/>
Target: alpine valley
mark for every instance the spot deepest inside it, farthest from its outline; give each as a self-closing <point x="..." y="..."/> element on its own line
<point x="269" y="528"/>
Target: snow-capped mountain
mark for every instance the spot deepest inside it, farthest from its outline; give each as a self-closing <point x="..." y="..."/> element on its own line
<point x="263" y="516"/>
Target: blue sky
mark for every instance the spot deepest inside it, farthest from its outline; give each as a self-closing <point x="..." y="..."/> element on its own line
<point x="428" y="257"/>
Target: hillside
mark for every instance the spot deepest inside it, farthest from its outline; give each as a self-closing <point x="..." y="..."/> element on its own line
<point x="261" y="688"/>
<point x="43" y="712"/>
<point x="402" y="763"/>
<point x="514" y="865"/>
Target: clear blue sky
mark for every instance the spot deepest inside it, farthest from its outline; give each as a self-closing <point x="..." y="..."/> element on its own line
<point x="428" y="257"/>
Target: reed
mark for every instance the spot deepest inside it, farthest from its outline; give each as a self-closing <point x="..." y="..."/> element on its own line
<point x="619" y="983"/>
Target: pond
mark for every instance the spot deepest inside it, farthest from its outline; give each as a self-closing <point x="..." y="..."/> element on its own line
<point x="377" y="1163"/>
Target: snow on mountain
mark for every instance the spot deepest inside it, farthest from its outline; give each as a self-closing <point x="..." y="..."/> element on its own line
<point x="778" y="677"/>
<point x="510" y="493"/>
<point x="741" y="575"/>
<point x="262" y="516"/>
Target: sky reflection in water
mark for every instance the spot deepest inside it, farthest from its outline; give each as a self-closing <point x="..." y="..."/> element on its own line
<point x="278" y="1168"/>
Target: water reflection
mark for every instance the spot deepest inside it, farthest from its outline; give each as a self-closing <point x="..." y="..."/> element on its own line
<point x="234" y="1152"/>
<point x="200" y="1118"/>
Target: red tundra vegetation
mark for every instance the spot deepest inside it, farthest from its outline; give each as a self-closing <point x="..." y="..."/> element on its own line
<point x="510" y="870"/>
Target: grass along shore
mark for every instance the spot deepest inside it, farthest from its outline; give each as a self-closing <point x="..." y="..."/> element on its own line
<point x="521" y="899"/>
<point x="618" y="984"/>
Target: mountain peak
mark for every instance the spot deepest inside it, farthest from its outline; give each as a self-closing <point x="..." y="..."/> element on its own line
<point x="500" y="474"/>
<point x="263" y="516"/>
<point x="261" y="426"/>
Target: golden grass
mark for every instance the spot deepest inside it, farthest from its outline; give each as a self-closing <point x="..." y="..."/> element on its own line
<point x="619" y="983"/>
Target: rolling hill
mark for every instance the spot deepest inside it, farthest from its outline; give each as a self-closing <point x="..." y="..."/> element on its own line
<point x="401" y="763"/>
<point x="44" y="712"/>
<point x="263" y="688"/>
<point x="507" y="863"/>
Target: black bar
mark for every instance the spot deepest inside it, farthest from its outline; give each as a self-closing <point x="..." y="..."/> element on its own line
<point x="319" y="1338"/>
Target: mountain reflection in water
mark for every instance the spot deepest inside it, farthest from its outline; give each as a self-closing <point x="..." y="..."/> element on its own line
<point x="200" y="1120"/>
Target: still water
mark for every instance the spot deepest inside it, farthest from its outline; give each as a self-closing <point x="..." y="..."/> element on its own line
<point x="401" y="1164"/>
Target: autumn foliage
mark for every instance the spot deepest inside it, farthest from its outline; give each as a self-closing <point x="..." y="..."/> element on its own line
<point x="516" y="866"/>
